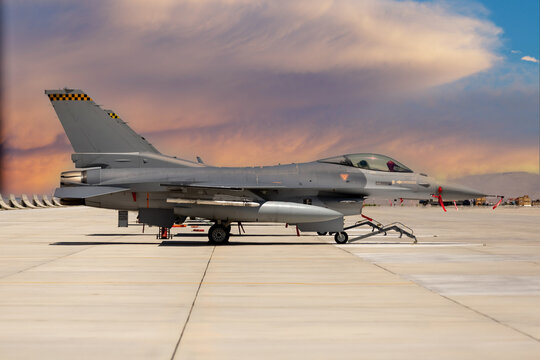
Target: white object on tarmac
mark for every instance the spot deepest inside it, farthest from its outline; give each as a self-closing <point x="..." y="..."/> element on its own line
<point x="36" y="201"/>
<point x="14" y="202"/>
<point x="47" y="202"/>
<point x="26" y="202"/>
<point x="5" y="205"/>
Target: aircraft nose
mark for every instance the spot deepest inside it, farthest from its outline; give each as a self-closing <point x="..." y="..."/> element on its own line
<point x="459" y="192"/>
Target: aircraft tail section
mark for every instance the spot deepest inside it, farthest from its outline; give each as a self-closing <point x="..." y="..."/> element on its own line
<point x="91" y="129"/>
<point x="101" y="138"/>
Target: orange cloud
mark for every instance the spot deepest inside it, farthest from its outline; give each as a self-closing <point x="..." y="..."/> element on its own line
<point x="34" y="173"/>
<point x="447" y="156"/>
<point x="452" y="157"/>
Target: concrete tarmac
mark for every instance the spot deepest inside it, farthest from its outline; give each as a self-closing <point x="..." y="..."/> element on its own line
<point x="75" y="286"/>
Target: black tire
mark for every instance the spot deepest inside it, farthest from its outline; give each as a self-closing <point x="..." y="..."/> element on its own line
<point x="218" y="234"/>
<point x="321" y="233"/>
<point x="341" y="237"/>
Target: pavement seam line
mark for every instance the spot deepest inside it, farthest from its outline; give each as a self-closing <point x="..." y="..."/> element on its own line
<point x="44" y="263"/>
<point x="177" y="346"/>
<point x="487" y="316"/>
<point x="449" y="299"/>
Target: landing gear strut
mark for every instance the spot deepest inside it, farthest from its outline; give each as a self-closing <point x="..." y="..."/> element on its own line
<point x="219" y="233"/>
<point x="164" y="233"/>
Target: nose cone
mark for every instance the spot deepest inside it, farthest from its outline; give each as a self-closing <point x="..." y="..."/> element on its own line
<point x="458" y="192"/>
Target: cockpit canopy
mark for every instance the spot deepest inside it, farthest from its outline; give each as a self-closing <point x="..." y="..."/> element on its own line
<point x="369" y="162"/>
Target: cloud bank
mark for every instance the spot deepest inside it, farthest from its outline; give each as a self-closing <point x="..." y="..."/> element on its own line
<point x="246" y="83"/>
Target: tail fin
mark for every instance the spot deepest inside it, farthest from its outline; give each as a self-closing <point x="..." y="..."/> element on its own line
<point x="101" y="139"/>
<point x="91" y="129"/>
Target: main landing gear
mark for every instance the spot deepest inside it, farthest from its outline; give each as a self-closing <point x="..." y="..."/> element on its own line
<point x="219" y="233"/>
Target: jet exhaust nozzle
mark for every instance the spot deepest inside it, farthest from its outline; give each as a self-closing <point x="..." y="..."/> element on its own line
<point x="71" y="178"/>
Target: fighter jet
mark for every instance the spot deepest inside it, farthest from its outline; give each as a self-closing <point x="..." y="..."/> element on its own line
<point x="119" y="169"/>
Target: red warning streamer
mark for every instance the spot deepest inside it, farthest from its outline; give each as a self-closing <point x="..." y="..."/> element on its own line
<point x="499" y="202"/>
<point x="440" y="201"/>
<point x="366" y="217"/>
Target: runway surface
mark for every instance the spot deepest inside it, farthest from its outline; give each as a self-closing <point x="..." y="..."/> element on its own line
<point x="74" y="285"/>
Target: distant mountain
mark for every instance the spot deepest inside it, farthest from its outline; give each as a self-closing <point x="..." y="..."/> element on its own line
<point x="509" y="184"/>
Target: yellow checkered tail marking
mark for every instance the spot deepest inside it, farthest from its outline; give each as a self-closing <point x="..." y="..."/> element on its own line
<point x="113" y="115"/>
<point x="64" y="97"/>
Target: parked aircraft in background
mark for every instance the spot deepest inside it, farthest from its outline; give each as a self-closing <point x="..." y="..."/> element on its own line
<point x="119" y="169"/>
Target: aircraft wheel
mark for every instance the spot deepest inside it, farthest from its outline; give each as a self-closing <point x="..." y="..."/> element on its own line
<point x="218" y="234"/>
<point x="341" y="237"/>
<point x="321" y="233"/>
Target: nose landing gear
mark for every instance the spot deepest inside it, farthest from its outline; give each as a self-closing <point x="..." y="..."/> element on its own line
<point x="341" y="237"/>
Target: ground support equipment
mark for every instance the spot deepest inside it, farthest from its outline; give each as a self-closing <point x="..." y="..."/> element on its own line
<point x="378" y="228"/>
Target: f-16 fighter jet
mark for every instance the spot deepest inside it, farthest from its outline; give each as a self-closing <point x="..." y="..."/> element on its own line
<point x="119" y="169"/>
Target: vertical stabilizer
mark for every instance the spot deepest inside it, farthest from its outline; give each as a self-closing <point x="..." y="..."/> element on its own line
<point x="91" y="129"/>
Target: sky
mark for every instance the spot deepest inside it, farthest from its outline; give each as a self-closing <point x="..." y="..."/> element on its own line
<point x="449" y="88"/>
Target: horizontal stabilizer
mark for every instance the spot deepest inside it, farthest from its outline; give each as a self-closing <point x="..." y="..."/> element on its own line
<point x="83" y="192"/>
